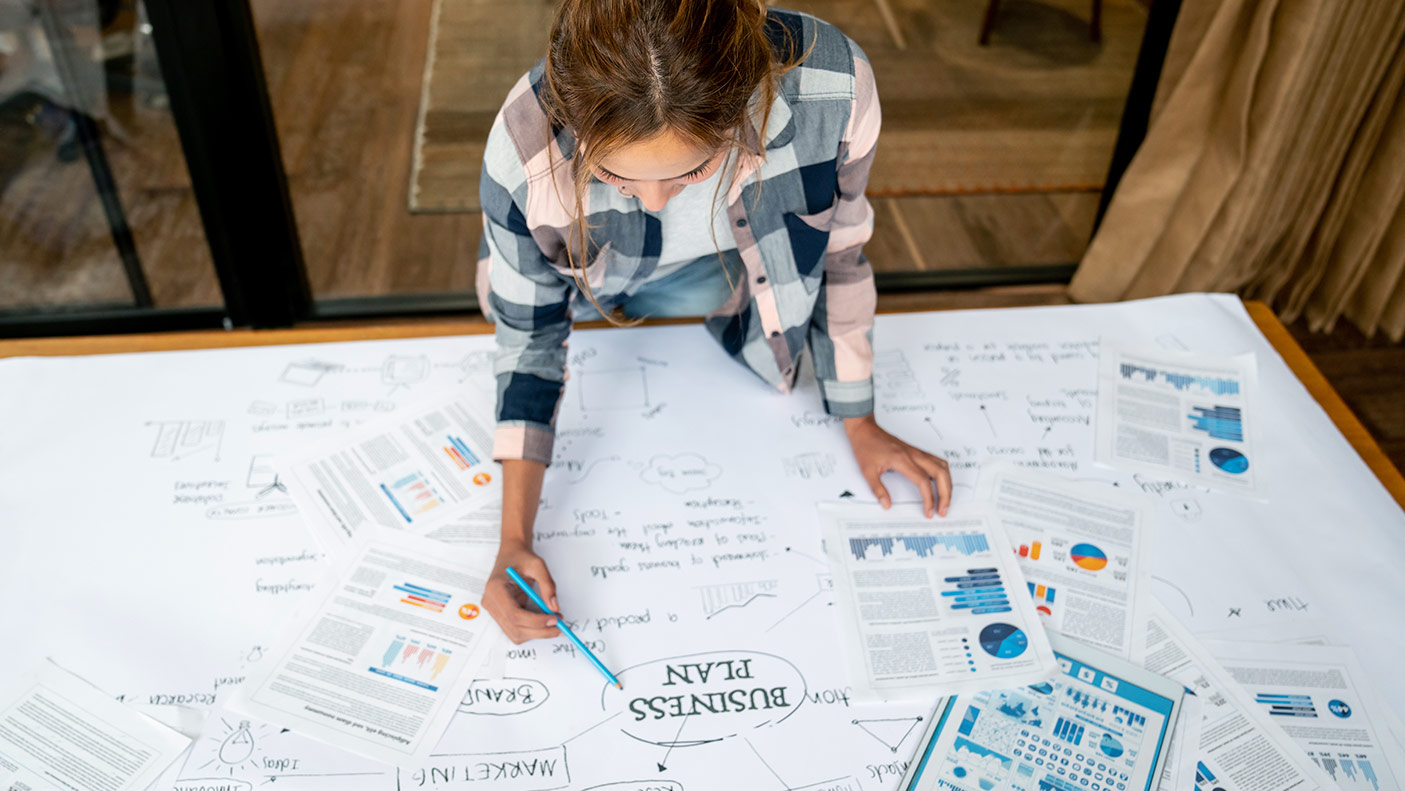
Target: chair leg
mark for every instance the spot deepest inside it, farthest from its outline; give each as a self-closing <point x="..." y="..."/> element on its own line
<point x="1095" y="30"/>
<point x="988" y="23"/>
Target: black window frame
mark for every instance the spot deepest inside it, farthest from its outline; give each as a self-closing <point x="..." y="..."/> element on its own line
<point x="213" y="70"/>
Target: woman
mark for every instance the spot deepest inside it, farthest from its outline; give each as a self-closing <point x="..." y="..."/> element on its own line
<point x="624" y="175"/>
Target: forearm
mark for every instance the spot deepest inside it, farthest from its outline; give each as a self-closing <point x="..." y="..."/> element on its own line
<point x="521" y="492"/>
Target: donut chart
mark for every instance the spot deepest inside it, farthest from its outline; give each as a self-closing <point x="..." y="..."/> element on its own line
<point x="1229" y="460"/>
<point x="1088" y="556"/>
<point x="1003" y="641"/>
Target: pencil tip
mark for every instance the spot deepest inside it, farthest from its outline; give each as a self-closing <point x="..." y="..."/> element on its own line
<point x="618" y="685"/>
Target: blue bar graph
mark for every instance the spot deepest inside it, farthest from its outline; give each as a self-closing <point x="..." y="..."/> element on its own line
<point x="1069" y="731"/>
<point x="1182" y="381"/>
<point x="978" y="590"/>
<point x="922" y="546"/>
<point x="1287" y="705"/>
<point x="463" y="449"/>
<point x="1221" y="422"/>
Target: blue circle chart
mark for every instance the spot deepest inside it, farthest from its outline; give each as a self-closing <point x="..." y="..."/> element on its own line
<point x="1110" y="746"/>
<point x="1229" y="460"/>
<point x="1003" y="641"/>
<point x="1340" y="708"/>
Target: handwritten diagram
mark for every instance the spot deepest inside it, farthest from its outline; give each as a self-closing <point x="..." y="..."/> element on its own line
<point x="683" y="545"/>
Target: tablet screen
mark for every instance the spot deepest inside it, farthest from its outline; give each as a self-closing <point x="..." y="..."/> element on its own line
<point x="1090" y="728"/>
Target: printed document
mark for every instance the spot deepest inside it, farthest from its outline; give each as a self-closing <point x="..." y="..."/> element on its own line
<point x="1189" y="417"/>
<point x="930" y="606"/>
<point x="1241" y="749"/>
<point x="57" y="731"/>
<point x="1321" y="698"/>
<point x="1101" y="724"/>
<point x="427" y="467"/>
<point x="379" y="665"/>
<point x="1082" y="548"/>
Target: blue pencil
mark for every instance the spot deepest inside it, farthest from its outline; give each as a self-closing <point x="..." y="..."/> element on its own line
<point x="537" y="600"/>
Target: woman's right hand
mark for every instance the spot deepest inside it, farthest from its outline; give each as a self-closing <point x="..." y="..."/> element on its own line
<point x="509" y="606"/>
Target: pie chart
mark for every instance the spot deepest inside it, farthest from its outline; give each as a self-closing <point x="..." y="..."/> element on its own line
<point x="1229" y="460"/>
<point x="1088" y="556"/>
<point x="1110" y="746"/>
<point x="1003" y="641"/>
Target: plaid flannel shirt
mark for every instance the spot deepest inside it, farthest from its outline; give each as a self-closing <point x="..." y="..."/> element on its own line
<point x="800" y="237"/>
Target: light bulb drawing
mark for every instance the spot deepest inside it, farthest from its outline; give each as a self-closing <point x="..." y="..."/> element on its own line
<point x="236" y="748"/>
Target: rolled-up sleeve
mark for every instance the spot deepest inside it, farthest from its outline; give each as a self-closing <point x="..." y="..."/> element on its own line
<point x="841" y="328"/>
<point x="529" y="301"/>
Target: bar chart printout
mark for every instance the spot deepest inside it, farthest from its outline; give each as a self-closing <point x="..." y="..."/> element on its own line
<point x="921" y="546"/>
<point x="927" y="606"/>
<point x="1187" y="417"/>
<point x="1321" y="698"/>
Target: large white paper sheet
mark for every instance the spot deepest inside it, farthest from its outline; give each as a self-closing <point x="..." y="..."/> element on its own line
<point x="178" y="556"/>
<point x="382" y="661"/>
<point x="1082" y="547"/>
<point x="425" y="469"/>
<point x="1323" y="701"/>
<point x="59" y="732"/>
<point x="1189" y="417"/>
<point x="930" y="607"/>
<point x="1241" y="749"/>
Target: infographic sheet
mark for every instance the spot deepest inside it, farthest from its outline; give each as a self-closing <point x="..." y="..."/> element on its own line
<point x="380" y="665"/>
<point x="426" y="468"/>
<point x="1241" y="748"/>
<point x="1190" y="417"/>
<point x="1101" y="724"/>
<point x="1082" y="547"/>
<point x="1321" y="698"/>
<point x="930" y="606"/>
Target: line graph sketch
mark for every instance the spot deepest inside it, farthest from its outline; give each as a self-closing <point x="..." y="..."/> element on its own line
<point x="717" y="599"/>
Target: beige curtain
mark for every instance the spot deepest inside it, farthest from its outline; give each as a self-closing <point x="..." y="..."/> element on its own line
<point x="1274" y="165"/>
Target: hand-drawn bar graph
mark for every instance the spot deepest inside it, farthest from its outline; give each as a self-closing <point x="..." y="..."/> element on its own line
<point x="1181" y="381"/>
<point x="921" y="546"/>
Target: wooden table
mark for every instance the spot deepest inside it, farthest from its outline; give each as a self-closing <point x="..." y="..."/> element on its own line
<point x="1264" y="317"/>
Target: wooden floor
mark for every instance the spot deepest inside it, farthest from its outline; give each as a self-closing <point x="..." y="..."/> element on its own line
<point x="344" y="78"/>
<point x="1370" y="377"/>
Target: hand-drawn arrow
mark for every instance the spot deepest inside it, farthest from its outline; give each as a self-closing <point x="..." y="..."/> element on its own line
<point x="663" y="767"/>
<point x="988" y="420"/>
<point x="933" y="426"/>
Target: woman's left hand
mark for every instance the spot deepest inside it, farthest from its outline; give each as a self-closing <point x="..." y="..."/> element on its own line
<point x="878" y="452"/>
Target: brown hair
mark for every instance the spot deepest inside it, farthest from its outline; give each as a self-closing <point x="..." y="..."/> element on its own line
<point x="619" y="72"/>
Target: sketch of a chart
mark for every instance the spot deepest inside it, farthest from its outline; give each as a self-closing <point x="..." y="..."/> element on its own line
<point x="181" y="439"/>
<point x="717" y="599"/>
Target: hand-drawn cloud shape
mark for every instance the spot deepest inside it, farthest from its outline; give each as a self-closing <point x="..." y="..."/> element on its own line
<point x="503" y="696"/>
<point x="681" y="473"/>
<point x="702" y="698"/>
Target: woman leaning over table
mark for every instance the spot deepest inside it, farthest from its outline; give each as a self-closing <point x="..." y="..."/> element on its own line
<point x="644" y="132"/>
